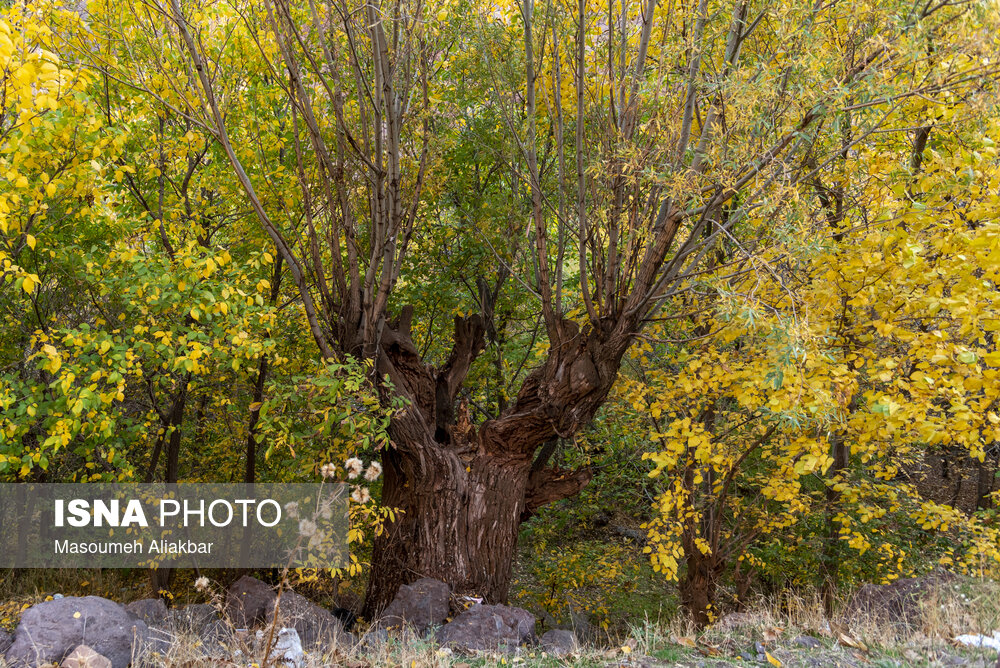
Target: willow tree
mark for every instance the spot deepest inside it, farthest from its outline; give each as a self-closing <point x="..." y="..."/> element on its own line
<point x="646" y="135"/>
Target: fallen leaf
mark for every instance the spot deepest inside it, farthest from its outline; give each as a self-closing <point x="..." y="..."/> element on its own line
<point x="709" y="650"/>
<point x="848" y="641"/>
<point x="686" y="641"/>
<point x="771" y="660"/>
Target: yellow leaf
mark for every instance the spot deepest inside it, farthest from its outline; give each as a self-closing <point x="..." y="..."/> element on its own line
<point x="28" y="284"/>
<point x="30" y="241"/>
<point x="771" y="660"/>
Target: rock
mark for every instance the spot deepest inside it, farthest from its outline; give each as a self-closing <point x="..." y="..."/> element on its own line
<point x="249" y="601"/>
<point x="897" y="602"/>
<point x="49" y="631"/>
<point x="580" y="621"/>
<point x="5" y="640"/>
<point x="808" y="642"/>
<point x="286" y="649"/>
<point x="84" y="657"/>
<point x="153" y="611"/>
<point x="215" y="637"/>
<point x="733" y="620"/>
<point x="191" y="618"/>
<point x="158" y="641"/>
<point x="346" y="617"/>
<point x="559" y="642"/>
<point x="374" y="639"/>
<point x="978" y="640"/>
<point x="422" y="604"/>
<point x="314" y="625"/>
<point x="488" y="627"/>
<point x="215" y="631"/>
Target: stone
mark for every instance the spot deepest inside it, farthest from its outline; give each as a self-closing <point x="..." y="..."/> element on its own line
<point x="217" y="630"/>
<point x="347" y="618"/>
<point x="897" y="603"/>
<point x="158" y="641"/>
<point x="49" y="631"/>
<point x="191" y="618"/>
<point x="153" y="611"/>
<point x="286" y="649"/>
<point x="559" y="642"/>
<point x="488" y="627"/>
<point x="808" y="642"/>
<point x="313" y="624"/>
<point x="5" y="640"/>
<point x="249" y="601"/>
<point x="374" y="639"/>
<point x="733" y="621"/>
<point x="85" y="657"/>
<point x="422" y="605"/>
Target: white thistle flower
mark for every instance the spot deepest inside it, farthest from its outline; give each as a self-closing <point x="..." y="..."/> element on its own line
<point x="328" y="470"/>
<point x="307" y="528"/>
<point x="353" y="466"/>
<point x="373" y="472"/>
<point x="201" y="584"/>
<point x="315" y="541"/>
<point x="361" y="495"/>
<point x="292" y="509"/>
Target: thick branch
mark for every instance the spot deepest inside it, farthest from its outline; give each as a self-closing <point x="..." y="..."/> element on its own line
<point x="552" y="484"/>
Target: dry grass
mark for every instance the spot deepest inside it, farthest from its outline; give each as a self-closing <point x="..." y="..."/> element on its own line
<point x="961" y="606"/>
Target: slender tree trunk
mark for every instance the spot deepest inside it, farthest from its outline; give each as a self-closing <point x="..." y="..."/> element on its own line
<point x="250" y="474"/>
<point x="985" y="475"/>
<point x="699" y="586"/>
<point x="831" y="548"/>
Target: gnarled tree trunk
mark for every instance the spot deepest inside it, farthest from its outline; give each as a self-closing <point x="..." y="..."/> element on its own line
<point x="459" y="523"/>
<point x="463" y="490"/>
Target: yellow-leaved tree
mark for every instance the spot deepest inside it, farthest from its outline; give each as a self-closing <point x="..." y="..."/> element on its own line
<point x="789" y="427"/>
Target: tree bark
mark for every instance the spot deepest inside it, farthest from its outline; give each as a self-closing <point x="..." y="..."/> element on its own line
<point x="459" y="524"/>
<point x="699" y="585"/>
<point x="464" y="490"/>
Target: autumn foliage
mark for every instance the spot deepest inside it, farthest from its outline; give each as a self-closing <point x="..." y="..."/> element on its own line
<point x="749" y="249"/>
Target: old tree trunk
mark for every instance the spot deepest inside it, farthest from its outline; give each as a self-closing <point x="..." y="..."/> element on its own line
<point x="464" y="490"/>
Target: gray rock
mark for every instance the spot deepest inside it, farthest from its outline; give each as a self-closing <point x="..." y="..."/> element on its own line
<point x="85" y="657"/>
<point x="216" y="630"/>
<point x="422" y="604"/>
<point x="808" y="642"/>
<point x="732" y="621"/>
<point x="191" y="618"/>
<point x="559" y="642"/>
<point x="249" y="601"/>
<point x="897" y="603"/>
<point x="49" y="631"/>
<point x="488" y="627"/>
<point x="314" y="625"/>
<point x="153" y="611"/>
<point x="158" y="641"/>
<point x="5" y="640"/>
<point x="374" y="639"/>
<point x="287" y="648"/>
